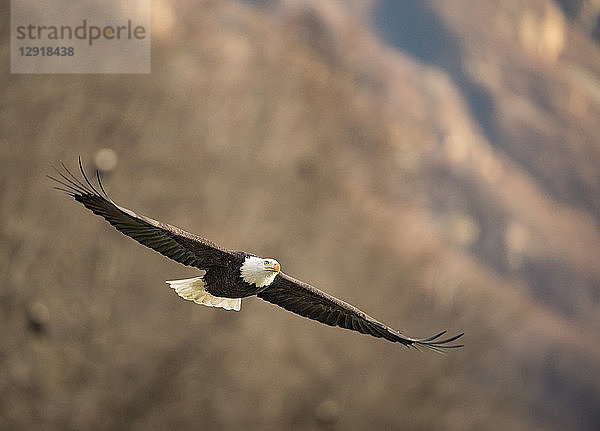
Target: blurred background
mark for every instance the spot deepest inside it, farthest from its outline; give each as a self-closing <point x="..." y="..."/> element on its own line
<point x="434" y="163"/>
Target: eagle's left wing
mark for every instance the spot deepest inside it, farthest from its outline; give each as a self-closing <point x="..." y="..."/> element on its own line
<point x="308" y="301"/>
<point x="168" y="240"/>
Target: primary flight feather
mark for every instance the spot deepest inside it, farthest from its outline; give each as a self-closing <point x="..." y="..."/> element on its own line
<point x="230" y="275"/>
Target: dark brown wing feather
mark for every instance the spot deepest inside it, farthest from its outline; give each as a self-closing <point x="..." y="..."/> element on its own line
<point x="175" y="243"/>
<point x="308" y="301"/>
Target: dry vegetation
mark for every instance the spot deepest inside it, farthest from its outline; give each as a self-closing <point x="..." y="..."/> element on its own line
<point x="293" y="132"/>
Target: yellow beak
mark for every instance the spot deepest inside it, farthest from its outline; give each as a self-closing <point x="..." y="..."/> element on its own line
<point x="274" y="267"/>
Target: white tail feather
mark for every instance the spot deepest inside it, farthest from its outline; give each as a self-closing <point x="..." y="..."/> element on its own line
<point x="194" y="289"/>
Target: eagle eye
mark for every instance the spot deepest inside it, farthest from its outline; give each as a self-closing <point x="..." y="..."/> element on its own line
<point x="266" y="262"/>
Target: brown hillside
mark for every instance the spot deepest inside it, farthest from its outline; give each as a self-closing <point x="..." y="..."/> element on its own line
<point x="291" y="130"/>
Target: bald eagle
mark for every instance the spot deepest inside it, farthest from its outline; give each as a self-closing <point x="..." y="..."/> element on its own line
<point x="230" y="275"/>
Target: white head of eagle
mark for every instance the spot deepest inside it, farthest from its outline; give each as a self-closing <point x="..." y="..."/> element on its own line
<point x="259" y="271"/>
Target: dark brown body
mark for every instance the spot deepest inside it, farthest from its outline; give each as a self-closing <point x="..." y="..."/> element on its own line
<point x="225" y="281"/>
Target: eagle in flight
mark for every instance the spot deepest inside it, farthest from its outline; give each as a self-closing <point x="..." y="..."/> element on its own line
<point x="230" y="275"/>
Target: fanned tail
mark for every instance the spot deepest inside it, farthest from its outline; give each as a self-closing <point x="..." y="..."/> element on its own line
<point x="194" y="289"/>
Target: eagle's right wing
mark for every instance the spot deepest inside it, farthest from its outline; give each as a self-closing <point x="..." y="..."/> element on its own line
<point x="171" y="241"/>
<point x="308" y="301"/>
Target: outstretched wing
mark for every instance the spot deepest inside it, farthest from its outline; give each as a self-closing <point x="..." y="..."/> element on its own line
<point x="308" y="301"/>
<point x="175" y="243"/>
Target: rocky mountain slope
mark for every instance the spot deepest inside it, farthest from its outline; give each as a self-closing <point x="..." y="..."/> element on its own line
<point x="451" y="185"/>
